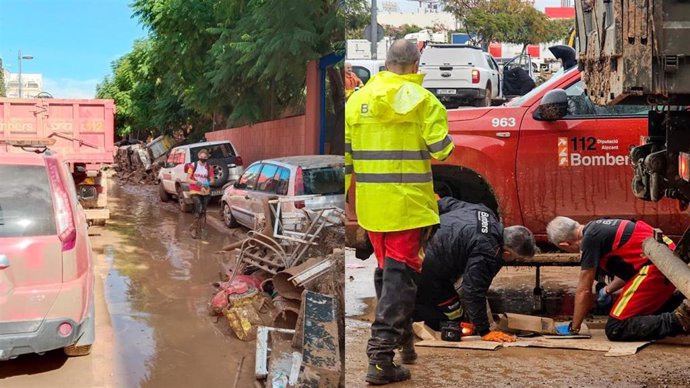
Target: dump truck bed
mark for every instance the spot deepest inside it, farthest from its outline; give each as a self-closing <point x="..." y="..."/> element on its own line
<point x="635" y="51"/>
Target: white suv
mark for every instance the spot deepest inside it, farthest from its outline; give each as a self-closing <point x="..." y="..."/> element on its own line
<point x="460" y="75"/>
<point x="223" y="158"/>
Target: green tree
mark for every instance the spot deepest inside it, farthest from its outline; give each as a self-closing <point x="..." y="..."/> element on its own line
<point x="211" y="63"/>
<point x="400" y="32"/>
<point x="357" y="15"/>
<point x="510" y="21"/>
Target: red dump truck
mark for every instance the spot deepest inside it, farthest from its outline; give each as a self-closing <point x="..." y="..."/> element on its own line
<point x="80" y="131"/>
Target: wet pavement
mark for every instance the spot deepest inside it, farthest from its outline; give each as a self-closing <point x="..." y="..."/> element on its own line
<point x="654" y="365"/>
<point x="154" y="285"/>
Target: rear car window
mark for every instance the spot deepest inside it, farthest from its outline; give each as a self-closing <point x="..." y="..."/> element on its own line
<point x="26" y="203"/>
<point x="216" y="151"/>
<point x="324" y="181"/>
<point x="458" y="56"/>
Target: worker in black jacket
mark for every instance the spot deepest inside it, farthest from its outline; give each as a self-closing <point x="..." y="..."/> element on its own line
<point x="470" y="243"/>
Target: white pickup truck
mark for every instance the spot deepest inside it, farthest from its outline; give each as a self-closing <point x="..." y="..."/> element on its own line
<point x="460" y="75"/>
<point x="223" y="158"/>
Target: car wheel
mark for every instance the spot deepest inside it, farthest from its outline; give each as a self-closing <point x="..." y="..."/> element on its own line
<point x="486" y="101"/>
<point x="221" y="173"/>
<point x="165" y="197"/>
<point x="228" y="219"/>
<point x="184" y="207"/>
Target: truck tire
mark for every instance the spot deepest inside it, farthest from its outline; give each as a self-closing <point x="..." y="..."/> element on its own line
<point x="221" y="173"/>
<point x="165" y="197"/>
<point x="184" y="207"/>
<point x="486" y="101"/>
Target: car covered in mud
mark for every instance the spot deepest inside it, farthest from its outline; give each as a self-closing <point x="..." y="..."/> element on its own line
<point x="223" y="158"/>
<point x="321" y="177"/>
<point x="46" y="262"/>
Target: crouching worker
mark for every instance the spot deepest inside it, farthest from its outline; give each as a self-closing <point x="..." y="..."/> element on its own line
<point x="471" y="243"/>
<point x="648" y="307"/>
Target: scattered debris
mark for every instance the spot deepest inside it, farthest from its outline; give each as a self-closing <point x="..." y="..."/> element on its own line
<point x="140" y="163"/>
<point x="287" y="273"/>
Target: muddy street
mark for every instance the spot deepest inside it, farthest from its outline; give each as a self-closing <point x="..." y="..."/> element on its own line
<point x="152" y="323"/>
<point x="654" y="365"/>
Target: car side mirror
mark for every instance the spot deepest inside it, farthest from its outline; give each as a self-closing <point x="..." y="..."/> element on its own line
<point x="161" y="163"/>
<point x="554" y="106"/>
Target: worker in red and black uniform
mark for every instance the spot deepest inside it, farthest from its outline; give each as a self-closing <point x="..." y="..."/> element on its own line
<point x="470" y="243"/>
<point x="648" y="307"/>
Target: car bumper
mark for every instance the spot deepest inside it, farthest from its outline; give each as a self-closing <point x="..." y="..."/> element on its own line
<point x="44" y="338"/>
<point x="460" y="94"/>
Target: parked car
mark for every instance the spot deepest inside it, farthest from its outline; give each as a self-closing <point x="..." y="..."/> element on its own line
<point x="226" y="163"/>
<point x="46" y="262"/>
<point x="367" y="68"/>
<point x="323" y="175"/>
<point x="460" y="75"/>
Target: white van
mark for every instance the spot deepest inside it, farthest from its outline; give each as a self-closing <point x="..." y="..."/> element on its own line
<point x="367" y="68"/>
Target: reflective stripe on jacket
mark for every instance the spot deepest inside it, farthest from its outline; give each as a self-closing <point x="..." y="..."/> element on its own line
<point x="393" y="127"/>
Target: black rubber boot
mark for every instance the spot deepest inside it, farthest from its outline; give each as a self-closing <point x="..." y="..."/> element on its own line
<point x="682" y="314"/>
<point x="381" y="374"/>
<point x="408" y="355"/>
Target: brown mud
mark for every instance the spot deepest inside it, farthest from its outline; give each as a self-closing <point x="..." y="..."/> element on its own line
<point x="657" y="365"/>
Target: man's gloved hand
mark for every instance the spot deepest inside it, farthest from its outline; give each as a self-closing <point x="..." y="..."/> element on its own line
<point x="498" y="336"/>
<point x="565" y="329"/>
<point x="603" y="299"/>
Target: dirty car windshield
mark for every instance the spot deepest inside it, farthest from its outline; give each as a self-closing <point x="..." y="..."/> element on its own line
<point x="324" y="181"/>
<point x="26" y="204"/>
<point x="556" y="77"/>
<point x="216" y="151"/>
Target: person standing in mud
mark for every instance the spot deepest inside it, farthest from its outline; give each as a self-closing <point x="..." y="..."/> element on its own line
<point x="393" y="127"/>
<point x="199" y="176"/>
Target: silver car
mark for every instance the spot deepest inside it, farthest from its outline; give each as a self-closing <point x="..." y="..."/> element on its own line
<point x="321" y="175"/>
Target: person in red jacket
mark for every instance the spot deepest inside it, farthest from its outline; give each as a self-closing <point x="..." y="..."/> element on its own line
<point x="649" y="307"/>
<point x="200" y="176"/>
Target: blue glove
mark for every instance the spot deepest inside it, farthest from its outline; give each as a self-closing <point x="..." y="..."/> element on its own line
<point x="564" y="329"/>
<point x="603" y="299"/>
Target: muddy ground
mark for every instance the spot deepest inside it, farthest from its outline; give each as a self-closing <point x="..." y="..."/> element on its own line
<point x="153" y="285"/>
<point x="655" y="365"/>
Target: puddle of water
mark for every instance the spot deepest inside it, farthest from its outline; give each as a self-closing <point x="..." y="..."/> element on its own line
<point x="158" y="289"/>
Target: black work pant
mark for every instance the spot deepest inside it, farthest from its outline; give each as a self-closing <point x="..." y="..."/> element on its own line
<point x="200" y="204"/>
<point x="648" y="327"/>
<point x="392" y="326"/>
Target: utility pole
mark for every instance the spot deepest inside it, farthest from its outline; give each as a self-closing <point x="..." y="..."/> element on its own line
<point x="20" y="57"/>
<point x="374" y="31"/>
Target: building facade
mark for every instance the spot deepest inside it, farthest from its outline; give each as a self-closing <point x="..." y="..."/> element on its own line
<point x="32" y="84"/>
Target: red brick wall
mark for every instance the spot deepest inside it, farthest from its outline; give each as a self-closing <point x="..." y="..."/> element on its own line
<point x="270" y="139"/>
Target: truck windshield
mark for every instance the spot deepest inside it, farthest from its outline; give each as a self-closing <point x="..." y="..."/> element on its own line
<point x="26" y="203"/>
<point x="216" y="151"/>
<point x="324" y="181"/>
<point x="555" y="78"/>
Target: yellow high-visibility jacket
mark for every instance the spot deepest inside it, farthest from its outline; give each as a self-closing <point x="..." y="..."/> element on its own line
<point x="393" y="127"/>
